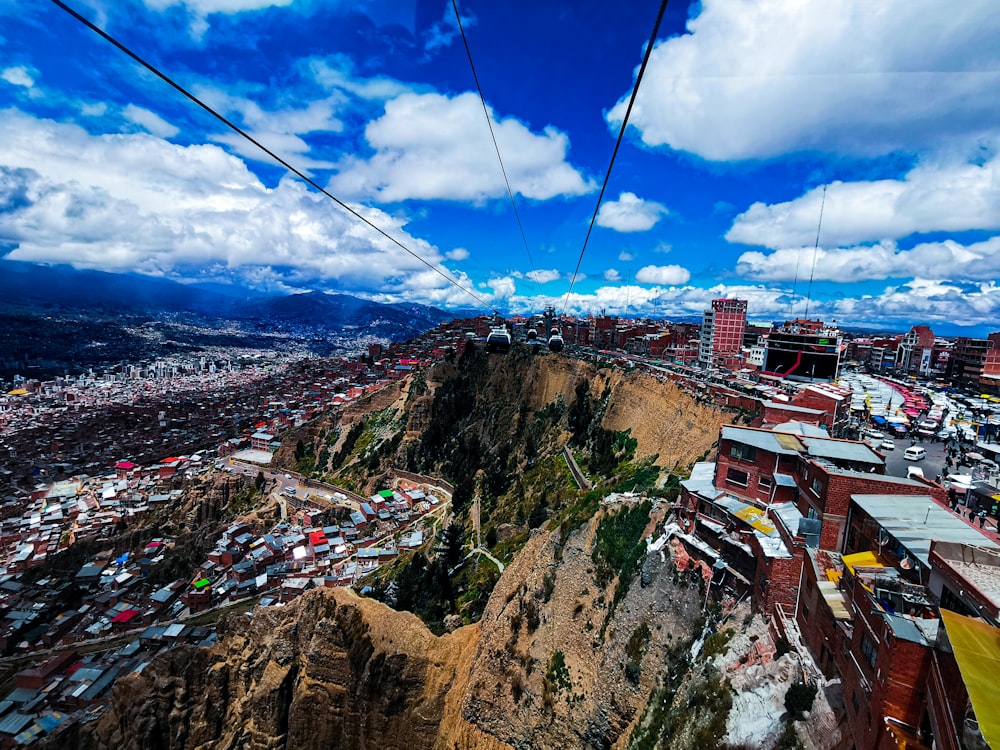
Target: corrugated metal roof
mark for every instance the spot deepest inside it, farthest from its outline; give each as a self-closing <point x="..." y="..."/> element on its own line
<point x="844" y="450"/>
<point x="775" y="442"/>
<point x="914" y="520"/>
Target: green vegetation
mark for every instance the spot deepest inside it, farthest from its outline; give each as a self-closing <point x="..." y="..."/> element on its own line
<point x="717" y="643"/>
<point x="684" y="714"/>
<point x="799" y="698"/>
<point x="556" y="678"/>
<point x="619" y="549"/>
<point x="634" y="650"/>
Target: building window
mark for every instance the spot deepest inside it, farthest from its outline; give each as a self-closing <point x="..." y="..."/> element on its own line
<point x="742" y="452"/>
<point x="868" y="649"/>
<point x="817" y="486"/>
<point x="764" y="483"/>
<point x="735" y="476"/>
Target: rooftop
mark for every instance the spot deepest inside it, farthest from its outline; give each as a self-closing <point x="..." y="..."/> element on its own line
<point x="914" y="520"/>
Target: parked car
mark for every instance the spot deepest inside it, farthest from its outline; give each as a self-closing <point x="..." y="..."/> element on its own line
<point x="887" y="445"/>
<point x="914" y="471"/>
<point x="915" y="453"/>
<point x="874" y="434"/>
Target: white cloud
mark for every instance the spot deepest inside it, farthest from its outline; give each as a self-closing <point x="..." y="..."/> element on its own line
<point x="459" y="253"/>
<point x="150" y="121"/>
<point x="19" y="75"/>
<point x="336" y="73"/>
<point x="543" y="277"/>
<point x="279" y="128"/>
<point x="663" y="247"/>
<point x="760" y="78"/>
<point x="200" y="10"/>
<point x="134" y="202"/>
<point x="949" y="194"/>
<point x="664" y="275"/>
<point x="93" y="109"/>
<point x="630" y="213"/>
<point x="612" y="275"/>
<point x="977" y="261"/>
<point x="503" y="288"/>
<point x="430" y="146"/>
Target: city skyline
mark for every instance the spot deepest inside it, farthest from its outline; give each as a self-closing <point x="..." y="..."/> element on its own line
<point x="751" y="120"/>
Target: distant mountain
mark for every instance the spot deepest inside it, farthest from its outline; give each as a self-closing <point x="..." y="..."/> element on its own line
<point x="66" y="288"/>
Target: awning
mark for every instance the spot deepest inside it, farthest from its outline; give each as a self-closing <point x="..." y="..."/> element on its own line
<point x="977" y="650"/>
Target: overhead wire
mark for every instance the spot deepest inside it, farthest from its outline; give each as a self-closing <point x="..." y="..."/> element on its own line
<point x="812" y="271"/>
<point x="243" y="134"/>
<point x="489" y="123"/>
<point x="618" y="143"/>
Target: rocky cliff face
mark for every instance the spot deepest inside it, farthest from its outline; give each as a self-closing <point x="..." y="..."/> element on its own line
<point x="332" y="670"/>
<point x="544" y="674"/>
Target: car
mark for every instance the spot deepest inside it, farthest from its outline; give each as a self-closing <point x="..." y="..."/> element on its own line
<point x="915" y="453"/>
<point x="887" y="445"/>
<point x="914" y="471"/>
<point x="874" y="434"/>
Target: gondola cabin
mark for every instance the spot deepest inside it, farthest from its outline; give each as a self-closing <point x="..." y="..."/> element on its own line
<point x="498" y="340"/>
<point x="555" y="340"/>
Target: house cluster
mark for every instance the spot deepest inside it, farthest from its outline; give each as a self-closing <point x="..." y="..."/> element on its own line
<point x="290" y="558"/>
<point x="890" y="589"/>
<point x="71" y="686"/>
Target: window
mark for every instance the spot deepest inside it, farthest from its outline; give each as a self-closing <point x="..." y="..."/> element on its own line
<point x="764" y="483"/>
<point x="735" y="476"/>
<point x="868" y="649"/>
<point x="817" y="486"/>
<point x="742" y="452"/>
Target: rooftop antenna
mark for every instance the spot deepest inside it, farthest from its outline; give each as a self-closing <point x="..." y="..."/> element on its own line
<point x="812" y="271"/>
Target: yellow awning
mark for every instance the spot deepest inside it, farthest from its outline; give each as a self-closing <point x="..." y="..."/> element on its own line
<point x="17" y="392"/>
<point x="862" y="560"/>
<point x="977" y="650"/>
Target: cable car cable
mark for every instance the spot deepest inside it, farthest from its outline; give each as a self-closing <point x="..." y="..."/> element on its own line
<point x="618" y="143"/>
<point x="242" y="133"/>
<point x="489" y="123"/>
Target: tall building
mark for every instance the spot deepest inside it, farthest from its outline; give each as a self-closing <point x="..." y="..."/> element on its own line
<point x="722" y="330"/>
<point x="915" y="350"/>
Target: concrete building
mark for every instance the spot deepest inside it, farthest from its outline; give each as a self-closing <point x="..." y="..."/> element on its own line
<point x="722" y="330"/>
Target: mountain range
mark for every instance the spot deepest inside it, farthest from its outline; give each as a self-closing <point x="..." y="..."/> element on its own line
<point x="59" y="287"/>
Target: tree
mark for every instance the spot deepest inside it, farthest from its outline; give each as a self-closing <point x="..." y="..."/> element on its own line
<point x="799" y="698"/>
<point x="453" y="546"/>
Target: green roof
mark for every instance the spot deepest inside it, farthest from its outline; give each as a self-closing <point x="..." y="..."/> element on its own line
<point x="201" y="583"/>
<point x="385" y="493"/>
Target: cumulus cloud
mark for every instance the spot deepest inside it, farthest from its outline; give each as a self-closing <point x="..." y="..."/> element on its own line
<point x="612" y="275"/>
<point x="759" y="78"/>
<point x="134" y="202"/>
<point x="943" y="194"/>
<point x="624" y="256"/>
<point x="19" y="75"/>
<point x="279" y="127"/>
<point x="543" y="276"/>
<point x="430" y="146"/>
<point x="459" y="253"/>
<point x="200" y="10"/>
<point x="630" y="213"/>
<point x="150" y="121"/>
<point x="976" y="261"/>
<point x="664" y="275"/>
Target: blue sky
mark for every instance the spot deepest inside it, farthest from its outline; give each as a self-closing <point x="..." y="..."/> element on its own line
<point x="749" y="110"/>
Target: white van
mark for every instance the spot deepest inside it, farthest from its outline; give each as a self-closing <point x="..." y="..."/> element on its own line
<point x="914" y="453"/>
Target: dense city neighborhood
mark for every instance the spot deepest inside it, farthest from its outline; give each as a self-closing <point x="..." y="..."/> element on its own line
<point x="853" y="500"/>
